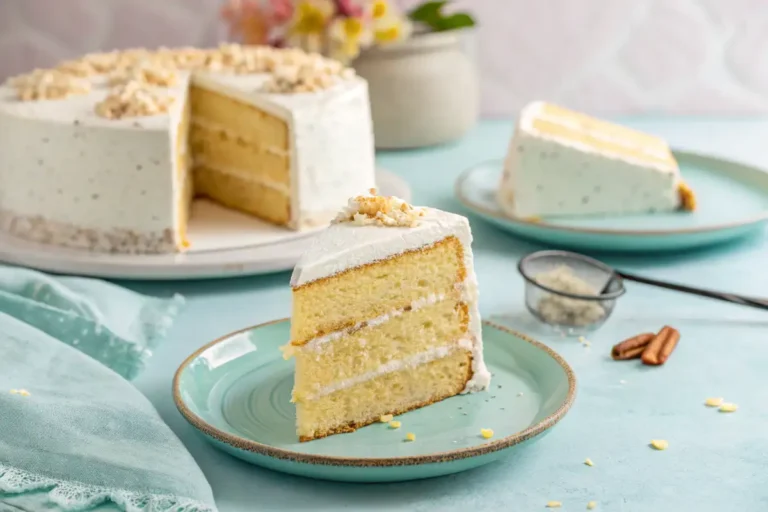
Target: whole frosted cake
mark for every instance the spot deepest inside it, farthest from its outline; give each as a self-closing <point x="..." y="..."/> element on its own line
<point x="385" y="316"/>
<point x="107" y="151"/>
<point x="564" y="163"/>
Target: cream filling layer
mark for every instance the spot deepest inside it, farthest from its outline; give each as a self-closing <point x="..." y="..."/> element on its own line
<point x="419" y="359"/>
<point x="245" y="175"/>
<point x="231" y="134"/>
<point x="317" y="343"/>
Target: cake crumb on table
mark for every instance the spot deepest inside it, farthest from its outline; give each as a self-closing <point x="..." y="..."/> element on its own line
<point x="14" y="391"/>
<point x="410" y="436"/>
<point x="659" y="444"/>
<point x="24" y="392"/>
<point x="589" y="462"/>
<point x="714" y="402"/>
<point x="728" y="408"/>
<point x="554" y="504"/>
<point x="591" y="505"/>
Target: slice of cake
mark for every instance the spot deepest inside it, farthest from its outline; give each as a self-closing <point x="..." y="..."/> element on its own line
<point x="385" y="316"/>
<point x="563" y="163"/>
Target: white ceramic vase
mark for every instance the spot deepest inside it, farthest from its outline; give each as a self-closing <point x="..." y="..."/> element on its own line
<point x="423" y="91"/>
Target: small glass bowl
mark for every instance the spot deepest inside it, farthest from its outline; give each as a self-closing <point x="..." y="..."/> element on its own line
<point x="570" y="313"/>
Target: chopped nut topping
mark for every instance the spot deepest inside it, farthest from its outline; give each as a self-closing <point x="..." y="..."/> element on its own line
<point x="589" y="462"/>
<point x="659" y="444"/>
<point x="410" y="436"/>
<point x="387" y="211"/>
<point x="487" y="433"/>
<point x="386" y="418"/>
<point x="133" y="100"/>
<point x="48" y="85"/>
<point x="714" y="402"/>
<point x="395" y="424"/>
<point x="148" y="73"/>
<point x="728" y="408"/>
<point x="288" y="351"/>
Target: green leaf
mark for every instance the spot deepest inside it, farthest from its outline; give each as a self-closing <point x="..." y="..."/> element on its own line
<point x="428" y="12"/>
<point x="431" y="15"/>
<point x="456" y="21"/>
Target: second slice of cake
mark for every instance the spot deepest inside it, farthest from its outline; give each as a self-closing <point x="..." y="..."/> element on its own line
<point x="385" y="316"/>
<point x="563" y="163"/>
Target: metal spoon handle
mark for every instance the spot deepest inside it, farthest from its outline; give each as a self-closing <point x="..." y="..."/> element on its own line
<point x="727" y="297"/>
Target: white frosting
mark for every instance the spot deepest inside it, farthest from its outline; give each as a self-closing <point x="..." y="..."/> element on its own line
<point x="317" y="343"/>
<point x="415" y="360"/>
<point x="62" y="167"/>
<point x="346" y="245"/>
<point x="549" y="176"/>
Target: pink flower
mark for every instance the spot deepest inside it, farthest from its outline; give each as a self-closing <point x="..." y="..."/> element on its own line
<point x="350" y="8"/>
<point x="282" y="10"/>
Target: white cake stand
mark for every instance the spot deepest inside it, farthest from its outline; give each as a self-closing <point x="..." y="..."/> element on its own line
<point x="224" y="243"/>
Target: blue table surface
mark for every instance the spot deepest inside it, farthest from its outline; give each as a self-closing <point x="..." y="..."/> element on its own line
<point x="715" y="462"/>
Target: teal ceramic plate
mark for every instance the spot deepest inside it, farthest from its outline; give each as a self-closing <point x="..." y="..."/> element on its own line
<point x="236" y="391"/>
<point x="732" y="202"/>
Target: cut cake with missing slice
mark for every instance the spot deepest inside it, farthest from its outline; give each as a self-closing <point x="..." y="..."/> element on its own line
<point x="385" y="316"/>
<point x="564" y="163"/>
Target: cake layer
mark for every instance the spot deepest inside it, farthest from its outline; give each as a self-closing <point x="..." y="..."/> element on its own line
<point x="605" y="143"/>
<point x="593" y="125"/>
<point x="248" y="121"/>
<point x="391" y="393"/>
<point x="219" y="148"/>
<point x="244" y="194"/>
<point x="400" y="334"/>
<point x="376" y="288"/>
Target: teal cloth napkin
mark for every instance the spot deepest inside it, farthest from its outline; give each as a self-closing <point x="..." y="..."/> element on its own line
<point x="115" y="326"/>
<point x="75" y="430"/>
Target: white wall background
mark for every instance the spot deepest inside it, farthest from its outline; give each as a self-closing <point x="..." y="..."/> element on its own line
<point x="605" y="56"/>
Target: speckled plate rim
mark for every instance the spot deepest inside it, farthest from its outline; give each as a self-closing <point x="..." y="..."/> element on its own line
<point x="411" y="460"/>
<point x="542" y="224"/>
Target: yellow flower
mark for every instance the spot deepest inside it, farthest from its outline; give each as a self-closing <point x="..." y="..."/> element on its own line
<point x="391" y="29"/>
<point x="379" y="9"/>
<point x="307" y="27"/>
<point x="348" y="35"/>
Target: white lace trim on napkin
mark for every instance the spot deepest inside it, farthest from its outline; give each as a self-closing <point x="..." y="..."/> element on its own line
<point x="74" y="496"/>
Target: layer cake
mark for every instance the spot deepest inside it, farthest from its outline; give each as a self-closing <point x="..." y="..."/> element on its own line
<point x="106" y="152"/>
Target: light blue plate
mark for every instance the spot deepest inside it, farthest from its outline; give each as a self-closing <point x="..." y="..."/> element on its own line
<point x="236" y="391"/>
<point x="732" y="202"/>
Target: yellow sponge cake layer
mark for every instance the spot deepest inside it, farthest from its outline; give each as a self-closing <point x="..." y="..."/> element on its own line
<point x="604" y="143"/>
<point x="243" y="194"/>
<point x="324" y="306"/>
<point x="391" y="393"/>
<point x="396" y="336"/>
<point x="591" y="124"/>
<point x="246" y="120"/>
<point x="219" y="149"/>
